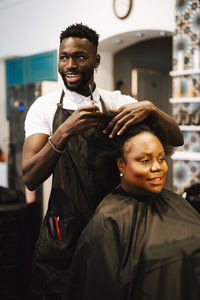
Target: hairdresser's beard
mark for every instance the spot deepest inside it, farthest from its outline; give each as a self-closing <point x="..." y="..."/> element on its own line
<point x="80" y="86"/>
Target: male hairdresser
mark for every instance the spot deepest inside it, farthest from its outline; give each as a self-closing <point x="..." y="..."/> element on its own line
<point x="57" y="127"/>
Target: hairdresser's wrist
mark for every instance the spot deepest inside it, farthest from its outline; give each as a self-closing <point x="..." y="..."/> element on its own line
<point x="59" y="139"/>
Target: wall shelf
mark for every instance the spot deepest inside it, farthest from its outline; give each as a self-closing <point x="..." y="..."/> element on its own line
<point x="184" y="72"/>
<point x="182" y="155"/>
<point x="185" y="100"/>
<point x="189" y="127"/>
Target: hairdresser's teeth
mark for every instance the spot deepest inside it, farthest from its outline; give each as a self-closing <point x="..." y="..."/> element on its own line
<point x="73" y="77"/>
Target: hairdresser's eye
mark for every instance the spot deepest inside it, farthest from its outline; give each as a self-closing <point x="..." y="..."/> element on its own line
<point x="63" y="57"/>
<point x="81" y="58"/>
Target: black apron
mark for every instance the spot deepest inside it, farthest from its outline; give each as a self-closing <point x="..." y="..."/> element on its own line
<point x="73" y="199"/>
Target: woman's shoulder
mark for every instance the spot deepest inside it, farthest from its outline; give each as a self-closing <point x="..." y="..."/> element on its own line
<point x="180" y="204"/>
<point x="113" y="203"/>
<point x="114" y="210"/>
<point x="109" y="218"/>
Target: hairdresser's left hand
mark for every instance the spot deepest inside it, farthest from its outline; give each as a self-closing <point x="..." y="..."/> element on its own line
<point x="127" y="115"/>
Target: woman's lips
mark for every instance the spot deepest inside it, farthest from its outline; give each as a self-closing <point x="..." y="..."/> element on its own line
<point x="156" y="180"/>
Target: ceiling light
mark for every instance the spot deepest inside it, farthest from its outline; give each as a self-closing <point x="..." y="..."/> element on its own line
<point x="162" y="33"/>
<point x="139" y="34"/>
<point x="118" y="41"/>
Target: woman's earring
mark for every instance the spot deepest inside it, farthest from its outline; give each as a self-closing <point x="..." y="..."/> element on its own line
<point x="121" y="174"/>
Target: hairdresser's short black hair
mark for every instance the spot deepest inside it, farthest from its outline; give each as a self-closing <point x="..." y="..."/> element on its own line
<point x="80" y="31"/>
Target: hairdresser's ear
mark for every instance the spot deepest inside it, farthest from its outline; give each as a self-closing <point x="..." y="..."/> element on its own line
<point x="98" y="59"/>
<point x="120" y="164"/>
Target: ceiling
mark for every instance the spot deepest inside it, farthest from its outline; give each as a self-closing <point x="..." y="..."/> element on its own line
<point x="8" y="3"/>
<point x="112" y="44"/>
<point x="118" y="42"/>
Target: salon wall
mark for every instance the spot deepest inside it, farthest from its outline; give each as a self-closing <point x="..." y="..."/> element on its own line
<point x="3" y="121"/>
<point x="3" y="127"/>
<point x="33" y="26"/>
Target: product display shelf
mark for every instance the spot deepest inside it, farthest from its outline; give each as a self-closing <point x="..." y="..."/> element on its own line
<point x="185" y="100"/>
<point x="186" y="155"/>
<point x="183" y="155"/>
<point x="185" y="72"/>
<point x="189" y="127"/>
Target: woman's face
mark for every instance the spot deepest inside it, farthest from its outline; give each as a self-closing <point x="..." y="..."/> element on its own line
<point x="144" y="167"/>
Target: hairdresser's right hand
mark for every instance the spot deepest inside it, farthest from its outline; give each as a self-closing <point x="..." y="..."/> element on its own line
<point x="82" y="119"/>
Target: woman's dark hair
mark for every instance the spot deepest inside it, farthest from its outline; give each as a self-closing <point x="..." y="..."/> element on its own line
<point x="80" y="31"/>
<point x="106" y="151"/>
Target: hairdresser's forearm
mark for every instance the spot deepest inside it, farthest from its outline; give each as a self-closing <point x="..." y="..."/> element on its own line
<point x="39" y="159"/>
<point x="38" y="168"/>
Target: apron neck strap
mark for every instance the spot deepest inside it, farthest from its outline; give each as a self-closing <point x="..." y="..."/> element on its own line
<point x="60" y="104"/>
<point x="103" y="105"/>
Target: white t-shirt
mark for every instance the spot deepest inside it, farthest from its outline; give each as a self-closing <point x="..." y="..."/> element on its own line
<point x="40" y="116"/>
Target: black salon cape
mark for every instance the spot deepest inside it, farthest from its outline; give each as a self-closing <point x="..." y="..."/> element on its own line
<point x="138" y="249"/>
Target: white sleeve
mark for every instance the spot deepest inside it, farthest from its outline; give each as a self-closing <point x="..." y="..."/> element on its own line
<point x="38" y="119"/>
<point x="123" y="99"/>
<point x="115" y="99"/>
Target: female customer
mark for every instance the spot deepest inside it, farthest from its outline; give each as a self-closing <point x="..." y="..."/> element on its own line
<point x="143" y="241"/>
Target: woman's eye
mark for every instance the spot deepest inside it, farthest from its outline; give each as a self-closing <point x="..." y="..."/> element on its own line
<point x="162" y="158"/>
<point x="144" y="161"/>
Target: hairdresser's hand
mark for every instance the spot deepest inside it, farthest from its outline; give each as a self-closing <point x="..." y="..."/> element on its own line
<point x="82" y="119"/>
<point x="127" y="115"/>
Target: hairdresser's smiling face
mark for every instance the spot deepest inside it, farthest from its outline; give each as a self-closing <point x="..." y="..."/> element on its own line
<point x="144" y="166"/>
<point x="77" y="60"/>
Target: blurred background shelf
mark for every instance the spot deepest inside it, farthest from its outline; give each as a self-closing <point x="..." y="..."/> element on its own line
<point x="182" y="155"/>
<point x="185" y="100"/>
<point x="185" y="72"/>
<point x="190" y="127"/>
